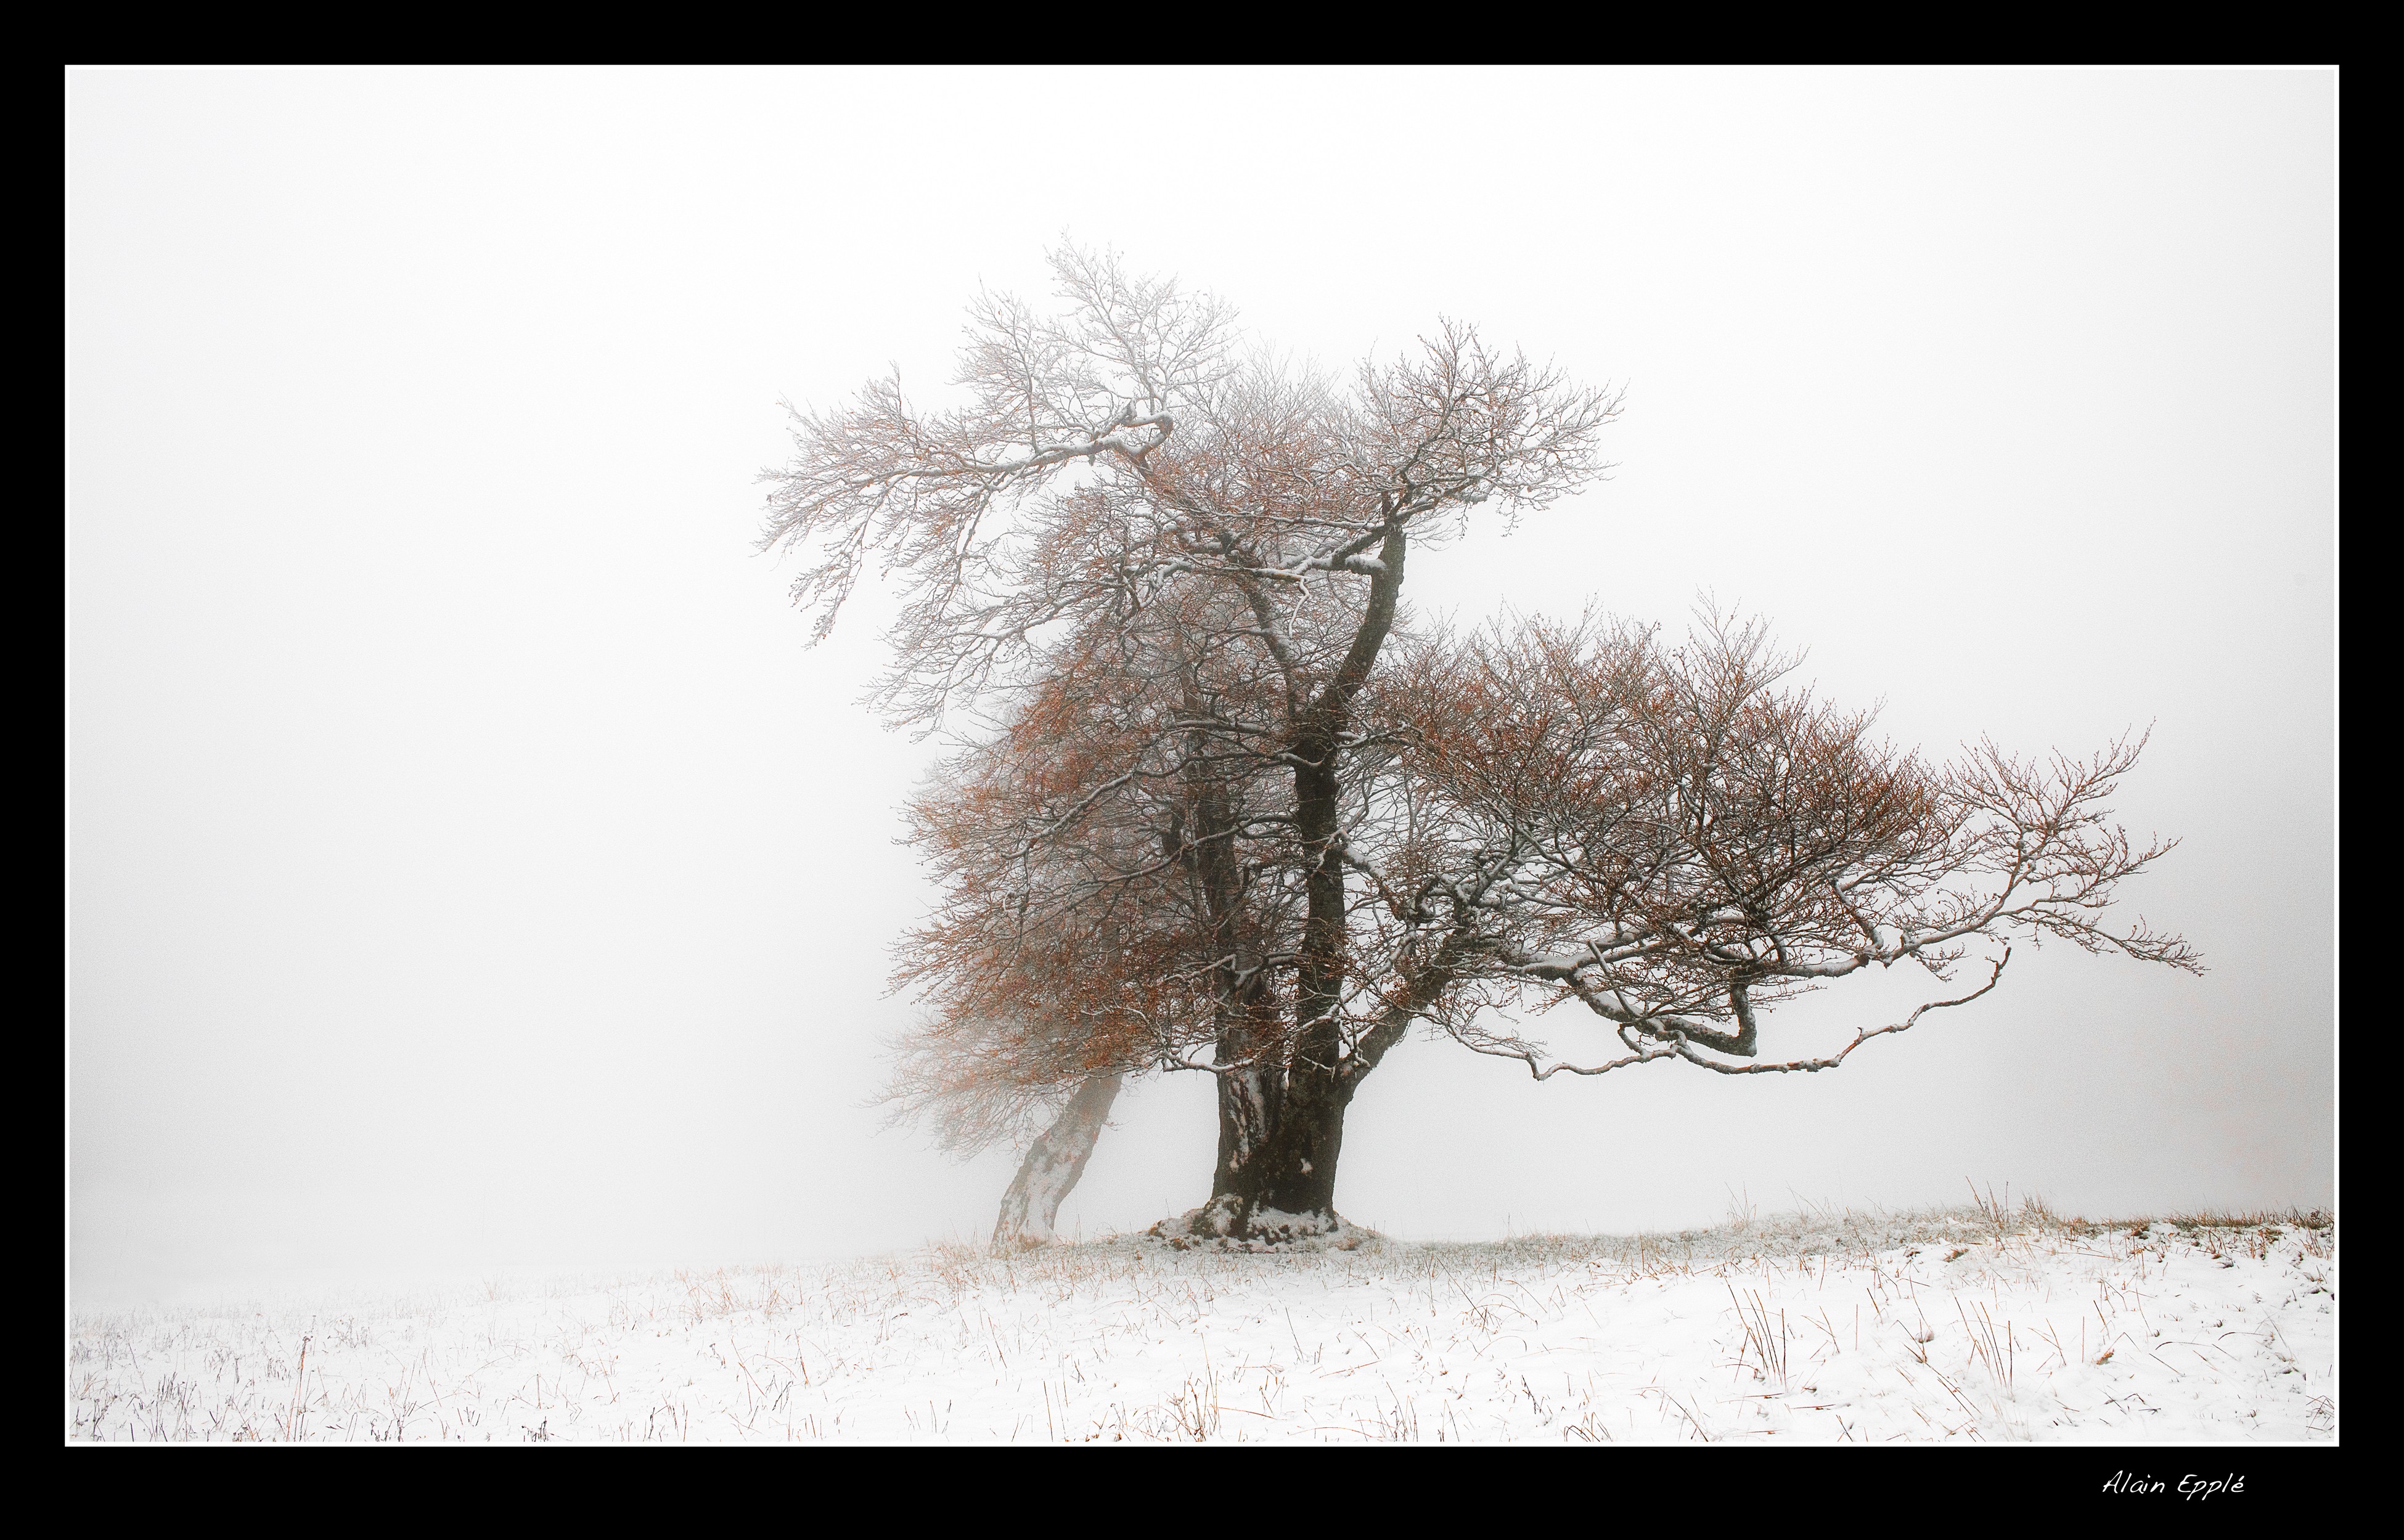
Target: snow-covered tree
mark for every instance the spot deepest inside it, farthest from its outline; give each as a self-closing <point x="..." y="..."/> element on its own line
<point x="1126" y="462"/>
<point x="1217" y="810"/>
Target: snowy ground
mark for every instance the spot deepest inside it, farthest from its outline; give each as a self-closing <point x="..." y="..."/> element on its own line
<point x="1819" y="1328"/>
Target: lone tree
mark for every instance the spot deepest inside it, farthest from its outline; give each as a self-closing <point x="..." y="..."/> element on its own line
<point x="1217" y="810"/>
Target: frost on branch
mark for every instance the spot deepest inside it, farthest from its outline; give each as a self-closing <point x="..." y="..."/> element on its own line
<point x="1131" y="444"/>
<point x="1678" y="840"/>
<point x="1217" y="804"/>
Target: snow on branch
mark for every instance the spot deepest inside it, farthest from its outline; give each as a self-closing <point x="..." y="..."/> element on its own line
<point x="1674" y="837"/>
<point x="1134" y="444"/>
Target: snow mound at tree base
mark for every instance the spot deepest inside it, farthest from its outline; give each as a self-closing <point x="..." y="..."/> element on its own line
<point x="1212" y="1227"/>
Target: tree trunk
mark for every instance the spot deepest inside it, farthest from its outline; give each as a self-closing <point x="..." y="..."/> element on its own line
<point x="1251" y="1075"/>
<point x="1294" y="1172"/>
<point x="1252" y="1086"/>
<point x="1053" y="1164"/>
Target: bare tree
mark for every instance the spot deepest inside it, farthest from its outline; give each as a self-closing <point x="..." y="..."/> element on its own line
<point x="1125" y="462"/>
<point x="1216" y="810"/>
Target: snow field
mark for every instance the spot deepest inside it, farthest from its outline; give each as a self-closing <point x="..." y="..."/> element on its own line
<point x="1958" y="1326"/>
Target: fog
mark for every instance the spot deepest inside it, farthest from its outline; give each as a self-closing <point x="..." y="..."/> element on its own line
<point x="470" y="865"/>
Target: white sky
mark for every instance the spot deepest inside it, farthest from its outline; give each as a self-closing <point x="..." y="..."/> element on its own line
<point x="470" y="866"/>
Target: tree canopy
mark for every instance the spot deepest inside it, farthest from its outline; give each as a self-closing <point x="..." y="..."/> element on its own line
<point x="1218" y="806"/>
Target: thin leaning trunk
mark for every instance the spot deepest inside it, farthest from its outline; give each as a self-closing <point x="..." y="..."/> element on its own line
<point x="1053" y="1164"/>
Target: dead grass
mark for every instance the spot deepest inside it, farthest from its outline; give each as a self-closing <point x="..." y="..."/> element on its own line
<point x="1386" y="1341"/>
